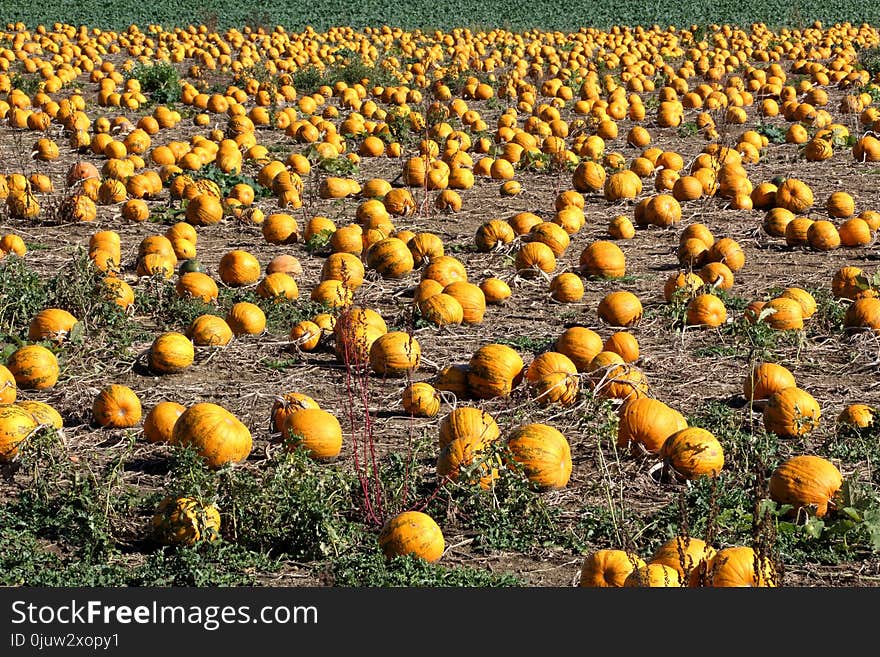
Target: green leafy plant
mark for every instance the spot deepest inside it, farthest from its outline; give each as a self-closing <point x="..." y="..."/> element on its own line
<point x="160" y="81"/>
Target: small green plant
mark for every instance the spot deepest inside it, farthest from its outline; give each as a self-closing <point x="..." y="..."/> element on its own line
<point x="160" y="82"/>
<point x="869" y="60"/>
<point x="774" y="134"/>
<point x="688" y="129"/>
<point x="372" y="569"/>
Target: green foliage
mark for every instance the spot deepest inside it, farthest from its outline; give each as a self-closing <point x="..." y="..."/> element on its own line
<point x="372" y="569"/>
<point x="160" y="81"/>
<point x="226" y="181"/>
<point x="774" y="133"/>
<point x="869" y="59"/>
<point x="293" y="506"/>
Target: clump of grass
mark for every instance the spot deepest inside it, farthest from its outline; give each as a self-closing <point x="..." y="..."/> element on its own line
<point x="372" y="569"/>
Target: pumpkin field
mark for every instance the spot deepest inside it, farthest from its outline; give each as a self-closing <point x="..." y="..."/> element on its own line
<point x="471" y="306"/>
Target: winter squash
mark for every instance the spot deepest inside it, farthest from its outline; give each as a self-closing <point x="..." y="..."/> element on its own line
<point x="246" y="318"/>
<point x="185" y="521"/>
<point x="608" y="568"/>
<point x="765" y="379"/>
<point x="534" y="256"/>
<point x="736" y="566"/>
<point x="794" y="195"/>
<point x="45" y="414"/>
<point x="681" y="285"/>
<point x="34" y="367"/>
<point x="16" y="424"/>
<point x="543" y="453"/>
<point x="857" y="416"/>
<point x="807" y="482"/>
<point x="170" y="352"/>
<point x="729" y="252"/>
<point x="494" y="370"/>
<point x="791" y="413"/>
<point x="645" y="423"/>
<point x="421" y="399"/>
<point x="804" y="298"/>
<point x="706" y="310"/>
<point x="412" y="533"/>
<point x="217" y="435"/>
<point x="117" y="406"/>
<point x="580" y="344"/>
<point x="197" y="285"/>
<point x="623" y="343"/>
<point x="445" y="269"/>
<point x="566" y="287"/>
<point x="863" y="313"/>
<point x="620" y="308"/>
<point x="8" y="387"/>
<point x="603" y="259"/>
<point x="395" y="354"/>
<point x="54" y="324"/>
<point x="441" y="309"/>
<point x="784" y="314"/>
<point x="493" y="234"/>
<point x="467" y="423"/>
<point x="693" y="453"/>
<point x="209" y="331"/>
<point x="159" y="421"/>
<point x="471" y="298"/>
<point x="653" y="574"/>
<point x="239" y="268"/>
<point x="390" y="257"/>
<point x="314" y="429"/>
<point x="683" y="553"/>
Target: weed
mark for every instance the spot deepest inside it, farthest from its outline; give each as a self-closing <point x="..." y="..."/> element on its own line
<point x="688" y="129"/>
<point x="372" y="569"/>
<point x="293" y="506"/>
<point x="869" y="59"/>
<point x="319" y="243"/>
<point x="160" y="82"/>
<point x="535" y="345"/>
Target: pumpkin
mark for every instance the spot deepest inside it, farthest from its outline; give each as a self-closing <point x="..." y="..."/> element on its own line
<point x="794" y="195"/>
<point x="441" y="309"/>
<point x="185" y="521"/>
<point x="807" y="482"/>
<point x="239" y="268"/>
<point x="280" y="228"/>
<point x="278" y="287"/>
<point x="855" y="232"/>
<point x="467" y="423"/>
<point x="332" y="293"/>
<point x="611" y="378"/>
<point x="645" y="423"/>
<point x="197" y="285"/>
<point x="603" y="259"/>
<point x="45" y="414"/>
<point x="390" y="257"/>
<point x="693" y="452"/>
<point x="170" y="352"/>
<point x="117" y="406"/>
<point x="16" y="424"/>
<point x="566" y="287"/>
<point x="534" y="256"/>
<point x="159" y="421"/>
<point x="54" y="324"/>
<point x="776" y="221"/>
<point x="412" y="533"/>
<point x="246" y="318"/>
<point x="766" y="379"/>
<point x="857" y="416"/>
<point x="863" y="313"/>
<point x="494" y="370"/>
<point x="706" y="310"/>
<point x="204" y="209"/>
<point x="804" y="298"/>
<point x="791" y="413"/>
<point x="784" y="314"/>
<point x="823" y="235"/>
<point x="471" y="298"/>
<point x="736" y="566"/>
<point x="209" y="331"/>
<point x="622" y="185"/>
<point x="314" y="429"/>
<point x="421" y="399"/>
<point x="468" y="453"/>
<point x="34" y="367"/>
<point x="681" y="286"/>
<point x="543" y="453"/>
<point x="580" y="344"/>
<point x="8" y="388"/>
<point x="608" y="568"/>
<point x="840" y="205"/>
<point x="620" y="308"/>
<point x="683" y="553"/>
<point x="217" y="435"/>
<point x="424" y="247"/>
<point x="729" y="252"/>
<point x="495" y="290"/>
<point x="493" y="234"/>
<point x="653" y="575"/>
<point x="551" y="234"/>
<point x="588" y="177"/>
<point x="445" y="269"/>
<point x="395" y="354"/>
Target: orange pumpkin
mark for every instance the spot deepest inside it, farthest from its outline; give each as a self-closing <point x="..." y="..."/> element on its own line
<point x="117" y="406"/>
<point x="159" y="421"/>
<point x="217" y="435"/>
<point x="412" y="533"/>
<point x="314" y="429"/>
